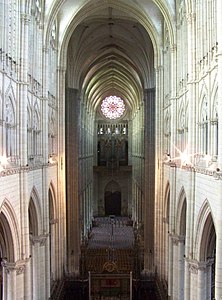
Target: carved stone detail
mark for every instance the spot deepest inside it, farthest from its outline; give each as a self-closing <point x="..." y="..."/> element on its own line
<point x="25" y="18"/>
<point x="54" y="221"/>
<point x="175" y="239"/>
<point x="18" y="266"/>
<point x="191" y="17"/>
<point x="41" y="239"/>
<point x="195" y="266"/>
<point x="193" y="269"/>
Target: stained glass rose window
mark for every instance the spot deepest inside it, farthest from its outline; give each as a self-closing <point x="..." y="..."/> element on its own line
<point x="112" y="107"/>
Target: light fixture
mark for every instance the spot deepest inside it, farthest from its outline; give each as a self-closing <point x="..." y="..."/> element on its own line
<point x="50" y="159"/>
<point x="184" y="157"/>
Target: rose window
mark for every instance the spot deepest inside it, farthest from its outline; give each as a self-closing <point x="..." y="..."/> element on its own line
<point x="112" y="107"/>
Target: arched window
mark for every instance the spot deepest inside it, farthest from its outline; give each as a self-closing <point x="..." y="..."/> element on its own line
<point x="52" y="236"/>
<point x="51" y="132"/>
<point x="36" y="131"/>
<point x="9" y="128"/>
<point x="203" y="127"/>
<point x="29" y="131"/>
<point x="167" y="121"/>
<point x="182" y="130"/>
<point x="214" y="128"/>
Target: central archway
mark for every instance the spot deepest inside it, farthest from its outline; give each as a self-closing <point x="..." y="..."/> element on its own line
<point x="113" y="203"/>
<point x="112" y="199"/>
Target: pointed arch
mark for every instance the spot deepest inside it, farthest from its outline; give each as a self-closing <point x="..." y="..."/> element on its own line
<point x="10" y="106"/>
<point x="203" y="120"/>
<point x="205" y="239"/>
<point x="52" y="202"/>
<point x="203" y="109"/>
<point x="182" y="115"/>
<point x="167" y="121"/>
<point x="214" y="122"/>
<point x="36" y="116"/>
<point x="53" y="229"/>
<point x="166" y="221"/>
<point x="9" y="115"/>
<point x="167" y="202"/>
<point x="9" y="230"/>
<point x="35" y="214"/>
<point x="112" y="198"/>
<point x="29" y="113"/>
<point x="112" y="186"/>
<point x="214" y="89"/>
<point x="215" y="104"/>
<point x="167" y="129"/>
<point x="11" y="94"/>
<point x="203" y="102"/>
<point x="181" y="213"/>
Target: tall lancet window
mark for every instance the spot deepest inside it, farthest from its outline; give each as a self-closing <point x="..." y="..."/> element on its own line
<point x="51" y="132"/>
<point x="203" y="127"/>
<point x="9" y="128"/>
<point x="36" y="131"/>
<point x="214" y="128"/>
<point x="29" y="131"/>
<point x="183" y="128"/>
<point x="167" y="120"/>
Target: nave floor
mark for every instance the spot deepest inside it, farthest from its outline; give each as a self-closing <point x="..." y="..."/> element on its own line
<point x="110" y="240"/>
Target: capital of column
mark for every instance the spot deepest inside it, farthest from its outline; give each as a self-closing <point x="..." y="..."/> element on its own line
<point x="173" y="48"/>
<point x="25" y="18"/>
<point x="45" y="49"/>
<point x="196" y="266"/>
<point x="176" y="239"/>
<point x="213" y="122"/>
<point x="54" y="221"/>
<point x="18" y="266"/>
<point x="61" y="69"/>
<point x="191" y="17"/>
<point x="159" y="69"/>
<point x="165" y="220"/>
<point x="41" y="239"/>
<point x="192" y="266"/>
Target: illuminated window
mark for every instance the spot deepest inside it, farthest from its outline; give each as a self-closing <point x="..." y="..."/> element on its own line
<point x="112" y="107"/>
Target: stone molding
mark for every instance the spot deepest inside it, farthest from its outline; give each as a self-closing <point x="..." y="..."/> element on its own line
<point x="216" y="174"/>
<point x="23" y="169"/>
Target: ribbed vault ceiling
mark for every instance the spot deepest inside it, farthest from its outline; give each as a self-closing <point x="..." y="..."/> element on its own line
<point x="109" y="54"/>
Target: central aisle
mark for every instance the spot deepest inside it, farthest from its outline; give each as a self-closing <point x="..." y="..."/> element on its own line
<point x="111" y="265"/>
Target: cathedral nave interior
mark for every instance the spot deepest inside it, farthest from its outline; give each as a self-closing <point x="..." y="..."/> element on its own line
<point x="110" y="149"/>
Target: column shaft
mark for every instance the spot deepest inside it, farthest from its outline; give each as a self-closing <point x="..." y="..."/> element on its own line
<point x="149" y="183"/>
<point x="72" y="179"/>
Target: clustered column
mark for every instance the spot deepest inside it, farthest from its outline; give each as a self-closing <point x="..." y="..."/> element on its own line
<point x="72" y="178"/>
<point x="149" y="175"/>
